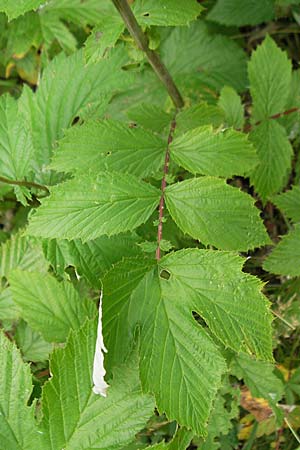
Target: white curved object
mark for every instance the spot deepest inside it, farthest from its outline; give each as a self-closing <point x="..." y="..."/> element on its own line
<point x="100" y="385"/>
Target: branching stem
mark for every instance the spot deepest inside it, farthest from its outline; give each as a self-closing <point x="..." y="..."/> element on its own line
<point x="153" y="58"/>
<point x="163" y="188"/>
<point x="24" y="183"/>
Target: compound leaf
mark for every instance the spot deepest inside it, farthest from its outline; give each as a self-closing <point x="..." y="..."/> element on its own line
<point x="215" y="213"/>
<point x="50" y="307"/>
<point x="110" y="145"/>
<point x="207" y="152"/>
<point x="18" y="429"/>
<point x="88" y="207"/>
<point x="81" y="419"/>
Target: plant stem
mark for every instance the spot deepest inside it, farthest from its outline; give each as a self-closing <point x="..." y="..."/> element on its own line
<point x="28" y="184"/>
<point x="163" y="188"/>
<point x="153" y="58"/>
<point x="249" y="127"/>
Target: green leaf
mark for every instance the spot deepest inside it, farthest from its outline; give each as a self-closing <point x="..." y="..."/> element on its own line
<point x="232" y="106"/>
<point x="68" y="87"/>
<point x="103" y="36"/>
<point x="242" y="12"/>
<point x="268" y="386"/>
<point x="33" y="347"/>
<point x="50" y="307"/>
<point x="8" y="308"/>
<point x="150" y="117"/>
<point x="197" y="116"/>
<point x="119" y="286"/>
<point x="87" y="12"/>
<point x="166" y="12"/>
<point x="270" y="73"/>
<point x="275" y="157"/>
<point x="17" y="424"/>
<point x="180" y="441"/>
<point x="215" y="213"/>
<point x="53" y="29"/>
<point x="179" y="363"/>
<point x="91" y="259"/>
<point x="83" y="420"/>
<point x="16" y="149"/>
<point x="14" y="10"/>
<point x="23" y="253"/>
<point x="110" y="145"/>
<point x="284" y="259"/>
<point x="204" y="151"/>
<point x="210" y="58"/>
<point x="87" y="207"/>
<point x="229" y="300"/>
<point x="175" y="351"/>
<point x="289" y="203"/>
<point x="226" y="408"/>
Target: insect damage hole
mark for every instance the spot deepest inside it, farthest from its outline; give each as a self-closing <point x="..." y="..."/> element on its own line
<point x="164" y="274"/>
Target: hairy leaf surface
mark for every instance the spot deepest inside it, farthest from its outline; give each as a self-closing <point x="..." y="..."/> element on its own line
<point x="207" y="152"/>
<point x="18" y="429"/>
<point x="50" y="307"/>
<point x="14" y="10"/>
<point x="231" y="103"/>
<point x="88" y="207"/>
<point x="166" y="12"/>
<point x="270" y="76"/>
<point x="68" y="88"/>
<point x="91" y="259"/>
<point x="110" y="145"/>
<point x="175" y="350"/>
<point x="215" y="213"/>
<point x="197" y="116"/>
<point x="242" y="12"/>
<point x="275" y="157"/>
<point x="21" y="252"/>
<point x="16" y="149"/>
<point x="211" y="58"/>
<point x="284" y="259"/>
<point x="81" y="419"/>
<point x="289" y="203"/>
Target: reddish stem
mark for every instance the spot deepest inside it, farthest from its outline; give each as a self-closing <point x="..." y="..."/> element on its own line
<point x="248" y="127"/>
<point x="163" y="188"/>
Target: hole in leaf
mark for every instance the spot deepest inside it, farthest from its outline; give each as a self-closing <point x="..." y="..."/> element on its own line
<point x="164" y="274"/>
<point x="108" y="153"/>
<point x="146" y="14"/>
<point x="199" y="319"/>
